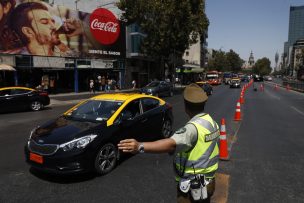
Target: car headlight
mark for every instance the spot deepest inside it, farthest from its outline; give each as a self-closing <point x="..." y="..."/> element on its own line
<point x="79" y="143"/>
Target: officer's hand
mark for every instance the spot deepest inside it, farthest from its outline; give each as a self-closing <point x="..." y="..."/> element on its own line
<point x="129" y="145"/>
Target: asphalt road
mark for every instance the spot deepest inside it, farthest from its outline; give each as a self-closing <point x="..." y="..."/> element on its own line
<point x="265" y="158"/>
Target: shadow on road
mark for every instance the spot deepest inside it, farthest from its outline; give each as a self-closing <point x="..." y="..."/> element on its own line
<point x="72" y="178"/>
<point x="62" y="179"/>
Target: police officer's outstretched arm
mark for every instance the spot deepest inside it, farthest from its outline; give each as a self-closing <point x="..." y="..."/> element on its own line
<point x="160" y="146"/>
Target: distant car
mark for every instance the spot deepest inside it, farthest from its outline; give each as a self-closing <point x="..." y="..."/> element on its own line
<point x="206" y="87"/>
<point x="245" y="78"/>
<point x="235" y="83"/>
<point x="226" y="77"/>
<point x="158" y="88"/>
<point x="85" y="137"/>
<point x="258" y="78"/>
<point x="267" y="78"/>
<point x="22" y="98"/>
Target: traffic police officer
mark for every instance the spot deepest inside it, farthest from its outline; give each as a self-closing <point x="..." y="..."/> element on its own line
<point x="195" y="146"/>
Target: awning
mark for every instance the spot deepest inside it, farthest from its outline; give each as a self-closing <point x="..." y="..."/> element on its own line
<point x="7" y="67"/>
<point x="190" y="69"/>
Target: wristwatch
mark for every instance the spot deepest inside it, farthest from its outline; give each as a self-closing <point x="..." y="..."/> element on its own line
<point x="141" y="148"/>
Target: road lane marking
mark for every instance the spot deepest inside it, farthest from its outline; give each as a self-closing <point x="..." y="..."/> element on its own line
<point x="272" y="95"/>
<point x="221" y="188"/>
<point x="297" y="110"/>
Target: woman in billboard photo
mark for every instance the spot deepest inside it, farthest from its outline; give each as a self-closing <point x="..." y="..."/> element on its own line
<point x="8" y="38"/>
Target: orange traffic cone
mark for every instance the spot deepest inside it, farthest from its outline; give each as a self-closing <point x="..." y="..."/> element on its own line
<point x="276" y="87"/>
<point x="261" y="87"/>
<point x="242" y="100"/>
<point x="237" y="115"/>
<point x="223" y="142"/>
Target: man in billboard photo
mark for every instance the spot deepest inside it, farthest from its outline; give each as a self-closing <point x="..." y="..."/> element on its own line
<point x="36" y="27"/>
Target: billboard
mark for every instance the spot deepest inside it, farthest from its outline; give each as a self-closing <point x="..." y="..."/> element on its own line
<point x="37" y="28"/>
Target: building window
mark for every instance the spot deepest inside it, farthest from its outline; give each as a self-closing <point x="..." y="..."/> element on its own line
<point x="134" y="28"/>
<point x="135" y="43"/>
<point x="187" y="53"/>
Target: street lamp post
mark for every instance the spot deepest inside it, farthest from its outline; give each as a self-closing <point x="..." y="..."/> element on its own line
<point x="76" y="2"/>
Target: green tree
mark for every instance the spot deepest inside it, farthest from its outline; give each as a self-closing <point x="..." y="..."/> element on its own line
<point x="262" y="66"/>
<point x="225" y="61"/>
<point x="234" y="62"/>
<point x="218" y="61"/>
<point x="170" y="26"/>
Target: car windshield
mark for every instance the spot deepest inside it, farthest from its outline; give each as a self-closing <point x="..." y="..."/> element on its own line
<point x="153" y="84"/>
<point x="94" y="110"/>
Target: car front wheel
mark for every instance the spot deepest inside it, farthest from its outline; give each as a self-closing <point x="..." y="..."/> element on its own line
<point x="106" y="159"/>
<point x="166" y="128"/>
<point x="36" y="106"/>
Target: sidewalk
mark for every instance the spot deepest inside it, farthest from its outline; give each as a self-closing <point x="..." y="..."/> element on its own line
<point x="89" y="93"/>
<point x="76" y="97"/>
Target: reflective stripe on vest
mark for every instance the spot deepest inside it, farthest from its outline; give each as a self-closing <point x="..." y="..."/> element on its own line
<point x="203" y="158"/>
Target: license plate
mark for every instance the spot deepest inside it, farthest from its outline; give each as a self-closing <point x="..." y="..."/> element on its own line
<point x="36" y="158"/>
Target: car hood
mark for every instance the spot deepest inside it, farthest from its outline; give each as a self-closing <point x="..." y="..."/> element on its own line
<point x="62" y="130"/>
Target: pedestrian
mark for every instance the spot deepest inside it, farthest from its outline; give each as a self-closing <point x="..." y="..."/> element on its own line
<point x="99" y="83"/>
<point x="133" y="84"/>
<point x="195" y="147"/>
<point x="52" y="85"/>
<point x="103" y="83"/>
<point x="92" y="86"/>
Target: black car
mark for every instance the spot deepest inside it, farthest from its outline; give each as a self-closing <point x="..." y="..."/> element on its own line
<point x="85" y="137"/>
<point x="158" y="88"/>
<point x="22" y="98"/>
<point x="258" y="78"/>
<point x="206" y="87"/>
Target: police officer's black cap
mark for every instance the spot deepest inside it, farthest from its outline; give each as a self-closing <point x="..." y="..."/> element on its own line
<point x="195" y="94"/>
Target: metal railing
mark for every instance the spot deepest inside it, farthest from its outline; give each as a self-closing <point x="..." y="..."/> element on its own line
<point x="294" y="85"/>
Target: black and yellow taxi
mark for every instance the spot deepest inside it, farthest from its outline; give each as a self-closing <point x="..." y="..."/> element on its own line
<point x="235" y="83"/>
<point x="85" y="137"/>
<point x="22" y="98"/>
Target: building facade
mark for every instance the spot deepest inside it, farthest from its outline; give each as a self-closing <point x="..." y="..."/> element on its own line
<point x="250" y="63"/>
<point x="295" y="32"/>
<point x="88" y="56"/>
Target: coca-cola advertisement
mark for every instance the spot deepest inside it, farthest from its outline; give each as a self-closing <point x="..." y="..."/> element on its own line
<point x="37" y="28"/>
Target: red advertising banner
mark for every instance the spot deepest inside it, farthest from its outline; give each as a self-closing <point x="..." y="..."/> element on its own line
<point x="37" y="28"/>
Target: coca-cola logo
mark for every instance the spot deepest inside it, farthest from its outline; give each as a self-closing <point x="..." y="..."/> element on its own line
<point x="104" y="26"/>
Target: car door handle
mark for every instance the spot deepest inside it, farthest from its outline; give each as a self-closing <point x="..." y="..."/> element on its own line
<point x="143" y="120"/>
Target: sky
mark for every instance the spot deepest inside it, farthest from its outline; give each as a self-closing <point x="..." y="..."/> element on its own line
<point x="260" y="26"/>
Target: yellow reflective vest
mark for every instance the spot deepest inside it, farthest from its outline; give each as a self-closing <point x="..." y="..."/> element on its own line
<point x="203" y="157"/>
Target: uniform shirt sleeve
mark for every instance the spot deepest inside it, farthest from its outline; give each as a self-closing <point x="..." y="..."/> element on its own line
<point x="185" y="138"/>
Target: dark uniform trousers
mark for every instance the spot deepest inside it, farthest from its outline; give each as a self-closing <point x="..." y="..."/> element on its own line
<point x="186" y="197"/>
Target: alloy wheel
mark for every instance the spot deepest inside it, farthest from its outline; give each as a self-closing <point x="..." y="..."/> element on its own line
<point x="106" y="159"/>
<point x="36" y="105"/>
